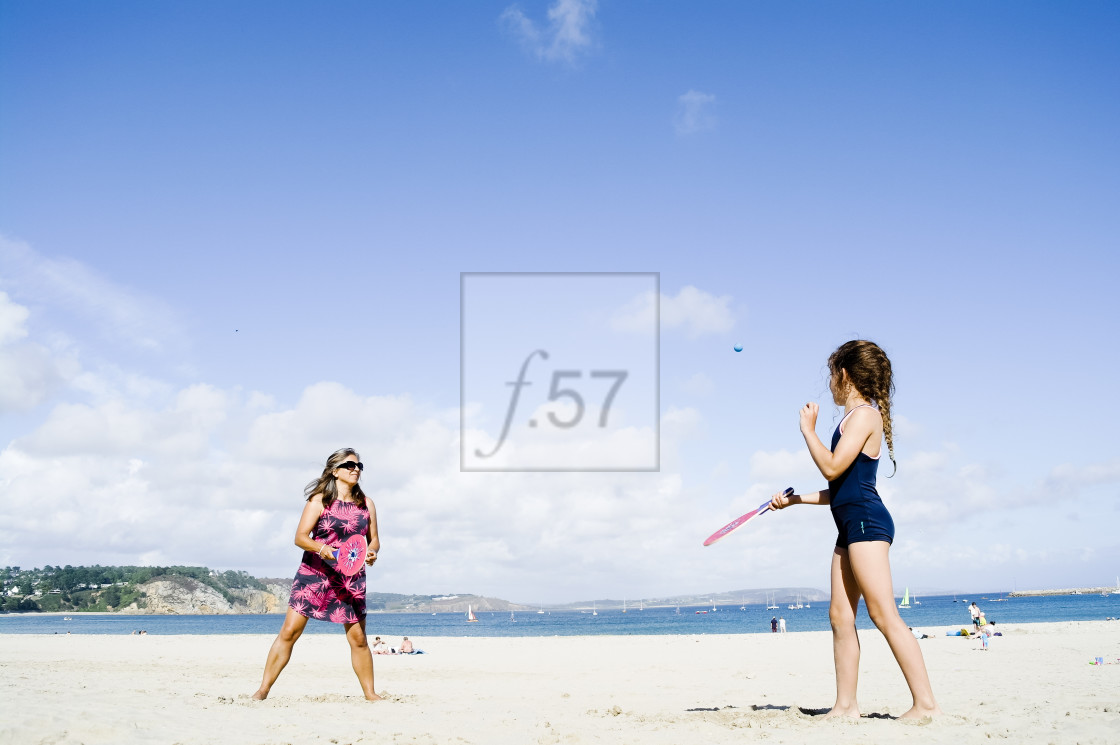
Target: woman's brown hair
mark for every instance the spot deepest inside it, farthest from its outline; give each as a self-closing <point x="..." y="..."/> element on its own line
<point x="326" y="484"/>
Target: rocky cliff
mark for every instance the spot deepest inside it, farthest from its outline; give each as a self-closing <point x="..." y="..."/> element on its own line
<point x="178" y="595"/>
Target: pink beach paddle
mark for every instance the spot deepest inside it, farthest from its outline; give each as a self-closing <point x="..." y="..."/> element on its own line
<point x="742" y="520"/>
<point x="351" y="555"/>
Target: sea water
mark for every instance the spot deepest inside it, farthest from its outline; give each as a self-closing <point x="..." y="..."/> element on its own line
<point x="934" y="615"/>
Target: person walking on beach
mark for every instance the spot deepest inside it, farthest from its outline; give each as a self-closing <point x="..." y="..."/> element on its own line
<point x="974" y="611"/>
<point x="774" y="625"/>
<point x="782" y="624"/>
<point x="861" y="382"/>
<point x="336" y="509"/>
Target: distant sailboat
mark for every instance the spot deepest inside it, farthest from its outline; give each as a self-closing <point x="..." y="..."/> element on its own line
<point x="594" y="610"/>
<point x="470" y="615"/>
<point x="771" y="602"/>
<point x="624" y="605"/>
<point x="905" y="599"/>
<point x="511" y="618"/>
<point x="541" y="611"/>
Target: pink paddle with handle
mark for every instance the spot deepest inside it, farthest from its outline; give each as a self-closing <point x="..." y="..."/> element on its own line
<point x="351" y="555"/>
<point x="742" y="520"/>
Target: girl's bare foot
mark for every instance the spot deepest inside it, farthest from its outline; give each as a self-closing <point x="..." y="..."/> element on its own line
<point x="921" y="712"/>
<point x="260" y="695"/>
<point x="373" y="697"/>
<point x="843" y="711"/>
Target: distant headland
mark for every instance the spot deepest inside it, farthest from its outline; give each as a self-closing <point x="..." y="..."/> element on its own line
<point x="187" y="590"/>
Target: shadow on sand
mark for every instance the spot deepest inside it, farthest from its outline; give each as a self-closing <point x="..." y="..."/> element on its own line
<point x="822" y="712"/>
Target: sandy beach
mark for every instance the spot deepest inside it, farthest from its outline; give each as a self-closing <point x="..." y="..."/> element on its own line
<point x="1034" y="686"/>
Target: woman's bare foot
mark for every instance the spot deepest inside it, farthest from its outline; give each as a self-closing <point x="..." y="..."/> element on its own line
<point x="921" y="712"/>
<point x="260" y="695"/>
<point x="842" y="711"/>
<point x="373" y="697"/>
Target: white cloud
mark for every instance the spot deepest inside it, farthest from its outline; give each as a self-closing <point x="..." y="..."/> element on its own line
<point x="697" y="312"/>
<point x="29" y="372"/>
<point x="564" y="38"/>
<point x="698" y="384"/>
<point x="118" y="314"/>
<point x="204" y="477"/>
<point x="13" y="320"/>
<point x="694" y="113"/>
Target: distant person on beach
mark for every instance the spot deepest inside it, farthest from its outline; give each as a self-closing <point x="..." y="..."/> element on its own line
<point x="406" y="646"/>
<point x="987" y="632"/>
<point x="774" y="625"/>
<point x="336" y="509"/>
<point x="974" y="611"/>
<point x="782" y="624"/>
<point x="860" y="381"/>
<point x="380" y="647"/>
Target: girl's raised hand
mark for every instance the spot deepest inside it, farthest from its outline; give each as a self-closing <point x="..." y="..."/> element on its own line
<point x="371" y="556"/>
<point x="809" y="417"/>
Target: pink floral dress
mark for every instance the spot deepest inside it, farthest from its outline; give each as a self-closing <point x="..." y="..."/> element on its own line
<point x="321" y="591"/>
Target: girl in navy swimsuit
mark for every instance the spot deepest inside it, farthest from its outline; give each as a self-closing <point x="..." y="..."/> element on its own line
<point x="861" y="383"/>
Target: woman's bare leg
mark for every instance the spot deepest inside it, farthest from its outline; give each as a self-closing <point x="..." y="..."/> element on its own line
<point x="845" y="640"/>
<point x="870" y="563"/>
<point x="361" y="658"/>
<point x="281" y="651"/>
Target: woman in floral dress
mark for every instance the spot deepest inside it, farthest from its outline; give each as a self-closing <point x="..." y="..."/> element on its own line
<point x="336" y="509"/>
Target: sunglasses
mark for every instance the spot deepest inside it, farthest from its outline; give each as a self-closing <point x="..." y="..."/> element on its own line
<point x="351" y="465"/>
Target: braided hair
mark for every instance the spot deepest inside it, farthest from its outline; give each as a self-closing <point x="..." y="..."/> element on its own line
<point x="869" y="371"/>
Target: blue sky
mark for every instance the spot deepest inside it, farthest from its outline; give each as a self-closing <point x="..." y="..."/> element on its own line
<point x="231" y="239"/>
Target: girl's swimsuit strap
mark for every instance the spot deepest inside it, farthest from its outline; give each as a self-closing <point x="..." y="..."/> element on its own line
<point x="841" y="428"/>
<point x="853" y="411"/>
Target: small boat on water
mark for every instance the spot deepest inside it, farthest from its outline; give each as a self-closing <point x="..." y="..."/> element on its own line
<point x="905" y="599"/>
<point x="471" y="618"/>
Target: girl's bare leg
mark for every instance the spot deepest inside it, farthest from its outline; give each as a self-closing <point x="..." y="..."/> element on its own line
<point x="870" y="563"/>
<point x="281" y="651"/>
<point x="361" y="658"/>
<point x="845" y="641"/>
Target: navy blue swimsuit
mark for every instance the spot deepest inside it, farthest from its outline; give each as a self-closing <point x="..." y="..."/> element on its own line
<point x="859" y="513"/>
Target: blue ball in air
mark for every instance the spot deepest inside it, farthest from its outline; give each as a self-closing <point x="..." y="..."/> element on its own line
<point x="738" y="347"/>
